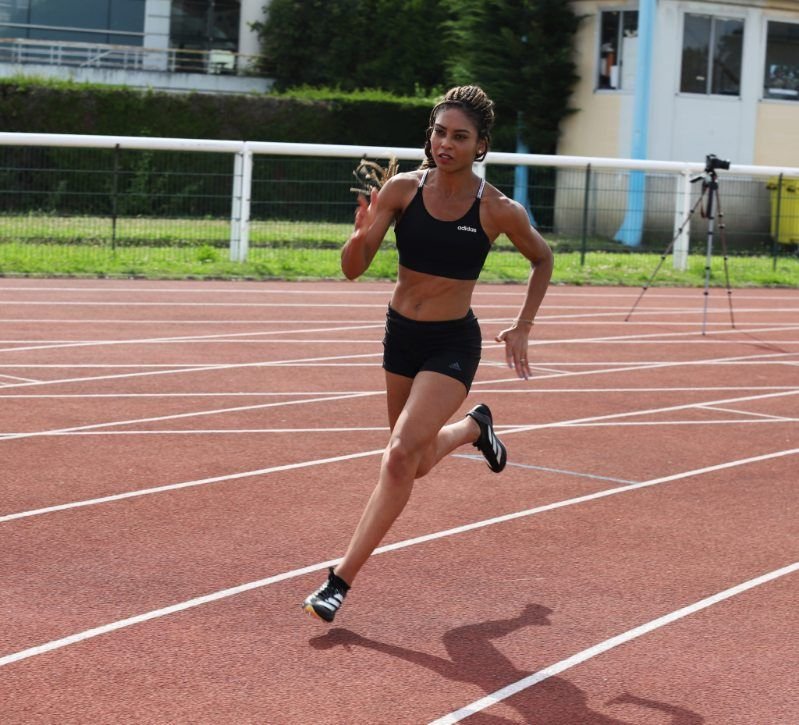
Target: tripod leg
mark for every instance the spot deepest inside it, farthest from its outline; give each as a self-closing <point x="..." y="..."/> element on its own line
<point x="663" y="256"/>
<point x="723" y="238"/>
<point x="713" y="185"/>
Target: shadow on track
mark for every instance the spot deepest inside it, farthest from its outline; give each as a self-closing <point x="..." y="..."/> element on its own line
<point x="474" y="659"/>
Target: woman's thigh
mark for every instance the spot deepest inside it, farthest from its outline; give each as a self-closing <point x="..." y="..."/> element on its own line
<point x="417" y="411"/>
<point x="398" y="388"/>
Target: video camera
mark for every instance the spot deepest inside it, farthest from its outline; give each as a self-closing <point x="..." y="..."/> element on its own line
<point x="713" y="162"/>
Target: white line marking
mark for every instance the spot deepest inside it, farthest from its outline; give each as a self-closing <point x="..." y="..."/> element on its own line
<point x="216" y="431"/>
<point x="490" y="391"/>
<point x="576" y="474"/>
<point x="640" y="423"/>
<point x="187" y="484"/>
<point x="44" y="345"/>
<point x="306" y="304"/>
<point x="624" y="367"/>
<point x="200" y="369"/>
<point x="540" y="320"/>
<point x="762" y="420"/>
<point x="746" y="413"/>
<point x="609" y="644"/>
<point x="484" y="290"/>
<point x="511" y="431"/>
<point x="232" y="591"/>
<point x="17" y="378"/>
<point x="177" y="416"/>
<point x="666" y="409"/>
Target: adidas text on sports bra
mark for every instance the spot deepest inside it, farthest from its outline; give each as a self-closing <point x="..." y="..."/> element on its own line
<point x="456" y="249"/>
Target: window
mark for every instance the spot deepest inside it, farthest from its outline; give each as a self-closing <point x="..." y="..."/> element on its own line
<point x="88" y="21"/>
<point x="205" y="24"/>
<point x="711" y="55"/>
<point x="782" y="62"/>
<point x="617" y="36"/>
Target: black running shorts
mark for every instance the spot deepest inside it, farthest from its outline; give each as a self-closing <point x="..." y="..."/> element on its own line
<point x="449" y="347"/>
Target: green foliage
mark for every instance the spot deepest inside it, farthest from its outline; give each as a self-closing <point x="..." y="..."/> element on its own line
<point x="390" y="44"/>
<point x="89" y="181"/>
<point x="322" y="116"/>
<point x="520" y="52"/>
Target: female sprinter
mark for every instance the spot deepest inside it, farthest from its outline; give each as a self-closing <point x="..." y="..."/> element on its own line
<point x="446" y="220"/>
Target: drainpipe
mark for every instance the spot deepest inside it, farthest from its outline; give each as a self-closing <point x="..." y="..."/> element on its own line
<point x="632" y="227"/>
<point x="521" y="174"/>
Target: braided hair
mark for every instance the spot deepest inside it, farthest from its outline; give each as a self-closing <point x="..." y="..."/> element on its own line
<point x="479" y="108"/>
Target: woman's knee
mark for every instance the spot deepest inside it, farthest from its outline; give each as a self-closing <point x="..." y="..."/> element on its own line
<point x="401" y="459"/>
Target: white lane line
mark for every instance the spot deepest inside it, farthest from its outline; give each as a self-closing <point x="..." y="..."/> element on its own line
<point x="746" y="412"/>
<point x="546" y="469"/>
<point x="216" y="431"/>
<point x="177" y="416"/>
<point x="235" y="337"/>
<point x="188" y="484"/>
<point x="624" y="367"/>
<point x="199" y="369"/>
<point x="346" y="288"/>
<point x="641" y="423"/>
<point x="650" y="411"/>
<point x="490" y="391"/>
<point x="761" y="420"/>
<point x="762" y="359"/>
<point x="540" y="320"/>
<point x="306" y="304"/>
<point x="16" y="378"/>
<point x="609" y="644"/>
<point x="44" y="345"/>
<point x="232" y="591"/>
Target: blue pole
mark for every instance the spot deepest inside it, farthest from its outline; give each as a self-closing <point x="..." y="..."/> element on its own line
<point x="521" y="175"/>
<point x="632" y="227"/>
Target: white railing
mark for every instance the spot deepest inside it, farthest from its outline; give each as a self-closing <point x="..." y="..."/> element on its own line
<point x="125" y="57"/>
<point x="681" y="173"/>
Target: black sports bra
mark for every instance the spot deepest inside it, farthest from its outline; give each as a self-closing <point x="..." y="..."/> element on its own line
<point x="455" y="249"/>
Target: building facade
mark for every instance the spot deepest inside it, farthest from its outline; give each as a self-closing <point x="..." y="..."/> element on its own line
<point x="182" y="45"/>
<point x="724" y="79"/>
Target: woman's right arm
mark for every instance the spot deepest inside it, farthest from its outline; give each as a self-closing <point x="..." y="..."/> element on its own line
<point x="372" y="221"/>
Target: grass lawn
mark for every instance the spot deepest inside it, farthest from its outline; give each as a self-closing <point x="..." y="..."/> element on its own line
<point x="39" y="245"/>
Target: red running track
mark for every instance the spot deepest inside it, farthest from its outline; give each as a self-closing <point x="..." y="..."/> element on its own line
<point x="182" y="460"/>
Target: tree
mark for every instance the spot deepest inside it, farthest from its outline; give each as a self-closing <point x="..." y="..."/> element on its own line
<point x="520" y="52"/>
<point x="394" y="45"/>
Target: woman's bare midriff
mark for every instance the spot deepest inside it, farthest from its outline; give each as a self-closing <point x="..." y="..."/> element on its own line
<point x="428" y="298"/>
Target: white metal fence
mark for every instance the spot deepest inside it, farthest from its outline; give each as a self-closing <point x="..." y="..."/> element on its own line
<point x="579" y="198"/>
<point x="124" y="57"/>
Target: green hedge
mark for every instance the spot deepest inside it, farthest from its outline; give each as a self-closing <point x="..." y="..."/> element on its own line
<point x="38" y="106"/>
<point x="97" y="182"/>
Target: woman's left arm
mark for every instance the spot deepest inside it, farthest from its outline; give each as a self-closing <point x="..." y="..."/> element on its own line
<point x="512" y="220"/>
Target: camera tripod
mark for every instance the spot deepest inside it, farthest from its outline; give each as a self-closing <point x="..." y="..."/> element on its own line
<point x="710" y="188"/>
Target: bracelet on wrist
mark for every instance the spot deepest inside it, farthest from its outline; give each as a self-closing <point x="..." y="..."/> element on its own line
<point x="526" y="322"/>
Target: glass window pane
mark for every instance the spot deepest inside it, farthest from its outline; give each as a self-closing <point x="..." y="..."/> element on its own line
<point x="782" y="62"/>
<point x="127" y="15"/>
<point x="85" y="14"/>
<point x="14" y="11"/>
<point x="226" y="24"/>
<point x="614" y="28"/>
<point x="727" y="57"/>
<point x="205" y="24"/>
<point x="609" y="50"/>
<point x="189" y="24"/>
<point x="695" y="54"/>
